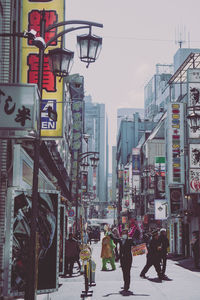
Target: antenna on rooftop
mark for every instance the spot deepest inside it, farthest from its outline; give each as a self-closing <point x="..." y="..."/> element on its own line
<point x="180" y="35"/>
<point x="188" y="39"/>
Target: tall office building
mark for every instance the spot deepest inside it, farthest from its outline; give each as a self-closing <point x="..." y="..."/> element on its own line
<point x="127" y="113"/>
<point x="153" y="102"/>
<point x="96" y="126"/>
<point x="129" y="134"/>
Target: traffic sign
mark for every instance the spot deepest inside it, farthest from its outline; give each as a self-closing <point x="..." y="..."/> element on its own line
<point x="71" y="213"/>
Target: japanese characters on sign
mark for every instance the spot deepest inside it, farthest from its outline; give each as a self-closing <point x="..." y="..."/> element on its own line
<point x="19" y="106"/>
<point x="175" y="142"/>
<point x="52" y="88"/>
<point x="194" y="180"/>
<point x="194" y="171"/>
<point x="77" y="107"/>
<point x="193" y="77"/>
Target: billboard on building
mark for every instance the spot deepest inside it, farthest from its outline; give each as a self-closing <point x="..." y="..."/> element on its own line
<point x="160" y="164"/>
<point x="194" y="181"/>
<point x="194" y="156"/>
<point x="18" y="239"/>
<point x="32" y="12"/>
<point x="76" y="92"/>
<point x="175" y="143"/>
<point x="193" y="78"/>
<point x="19" y="107"/>
<point x="126" y="181"/>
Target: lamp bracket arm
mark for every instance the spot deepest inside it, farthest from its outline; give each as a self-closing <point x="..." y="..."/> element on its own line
<point x="74" y="22"/>
<point x="86" y="154"/>
<point x="16" y="34"/>
<point x="64" y="32"/>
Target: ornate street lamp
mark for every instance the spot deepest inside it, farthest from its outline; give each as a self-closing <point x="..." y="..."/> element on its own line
<point x="84" y="166"/>
<point x="194" y="118"/>
<point x="83" y="163"/>
<point x="89" y="47"/>
<point x="94" y="160"/>
<point x="61" y="61"/>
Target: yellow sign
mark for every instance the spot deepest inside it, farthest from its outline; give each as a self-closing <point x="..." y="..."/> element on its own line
<point x="85" y="254"/>
<point x="139" y="249"/>
<point x="52" y="88"/>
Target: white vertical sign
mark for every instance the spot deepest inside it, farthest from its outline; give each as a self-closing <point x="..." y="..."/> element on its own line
<point x="160" y="209"/>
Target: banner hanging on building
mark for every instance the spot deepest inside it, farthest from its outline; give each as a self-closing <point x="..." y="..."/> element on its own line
<point x="175" y="143"/>
<point x="193" y="78"/>
<point x="52" y="88"/>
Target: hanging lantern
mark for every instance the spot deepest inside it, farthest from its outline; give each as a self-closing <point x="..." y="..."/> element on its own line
<point x="84" y="166"/>
<point x="89" y="47"/>
<point x="194" y="120"/>
<point x="61" y="61"/>
<point x="94" y="161"/>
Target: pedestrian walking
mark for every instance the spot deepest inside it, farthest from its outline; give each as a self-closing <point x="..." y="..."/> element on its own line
<point x="153" y="256"/>
<point x="125" y="255"/>
<point x="107" y="253"/>
<point x="163" y="253"/>
<point x="71" y="253"/>
<point x="195" y="248"/>
<point x="126" y="258"/>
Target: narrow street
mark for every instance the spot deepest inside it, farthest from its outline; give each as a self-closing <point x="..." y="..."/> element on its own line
<point x="183" y="284"/>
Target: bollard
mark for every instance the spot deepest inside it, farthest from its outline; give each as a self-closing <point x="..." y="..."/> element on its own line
<point x="92" y="273"/>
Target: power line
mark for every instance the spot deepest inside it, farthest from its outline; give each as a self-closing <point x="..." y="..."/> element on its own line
<point x="141" y="39"/>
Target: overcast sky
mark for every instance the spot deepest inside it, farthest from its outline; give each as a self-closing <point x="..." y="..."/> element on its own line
<point x="136" y="36"/>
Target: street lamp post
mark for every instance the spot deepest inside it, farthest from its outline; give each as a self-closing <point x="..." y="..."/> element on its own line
<point x="60" y="60"/>
<point x="83" y="162"/>
<point x="60" y="68"/>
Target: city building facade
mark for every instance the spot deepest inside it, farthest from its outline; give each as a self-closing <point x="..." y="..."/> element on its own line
<point x="95" y="124"/>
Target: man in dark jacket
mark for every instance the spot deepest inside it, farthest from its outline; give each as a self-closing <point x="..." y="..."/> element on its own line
<point x="153" y="256"/>
<point x="164" y="245"/>
<point x="71" y="253"/>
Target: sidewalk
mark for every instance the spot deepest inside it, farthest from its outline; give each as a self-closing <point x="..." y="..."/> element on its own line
<point x="185" y="262"/>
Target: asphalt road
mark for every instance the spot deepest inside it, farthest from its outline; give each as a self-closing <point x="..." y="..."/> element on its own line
<point x="183" y="284"/>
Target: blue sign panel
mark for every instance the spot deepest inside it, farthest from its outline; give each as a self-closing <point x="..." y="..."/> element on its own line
<point x="46" y="122"/>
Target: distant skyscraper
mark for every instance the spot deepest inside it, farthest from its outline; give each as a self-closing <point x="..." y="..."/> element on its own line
<point x="128" y="113"/>
<point x="129" y="134"/>
<point x="153" y="103"/>
<point x="96" y="127"/>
